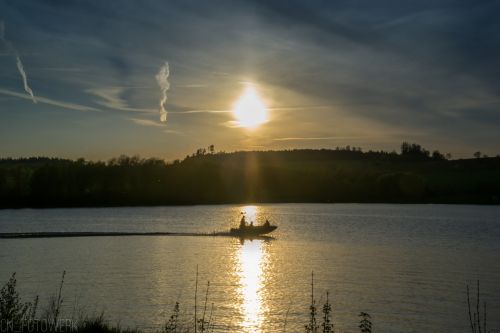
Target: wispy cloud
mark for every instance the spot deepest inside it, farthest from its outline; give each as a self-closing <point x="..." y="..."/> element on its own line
<point x="162" y="79"/>
<point x="10" y="48"/>
<point x="231" y="124"/>
<point x="145" y="122"/>
<point x="191" y="86"/>
<point x="152" y="123"/>
<point x="404" y="91"/>
<point x="44" y="100"/>
<point x="280" y="108"/>
<point x="300" y="107"/>
<point x="110" y="97"/>
<point x="311" y="138"/>
<point x="169" y="131"/>
<point x="201" y="111"/>
<point x="61" y="69"/>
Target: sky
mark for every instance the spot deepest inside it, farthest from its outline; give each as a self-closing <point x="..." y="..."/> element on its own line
<point x="331" y="73"/>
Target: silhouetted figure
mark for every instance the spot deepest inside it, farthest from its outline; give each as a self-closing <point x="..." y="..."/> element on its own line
<point x="243" y="222"/>
<point x="267" y="224"/>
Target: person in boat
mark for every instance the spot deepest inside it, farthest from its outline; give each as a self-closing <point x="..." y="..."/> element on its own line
<point x="243" y="222"/>
<point x="267" y="224"/>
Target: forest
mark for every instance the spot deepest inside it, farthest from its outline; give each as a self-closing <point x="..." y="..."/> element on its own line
<point x="414" y="175"/>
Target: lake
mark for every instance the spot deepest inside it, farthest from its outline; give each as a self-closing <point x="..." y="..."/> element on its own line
<point x="406" y="265"/>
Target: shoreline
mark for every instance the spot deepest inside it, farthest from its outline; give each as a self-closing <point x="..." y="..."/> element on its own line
<point x="443" y="203"/>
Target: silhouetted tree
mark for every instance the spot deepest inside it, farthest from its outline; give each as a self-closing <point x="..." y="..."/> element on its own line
<point x="437" y="155"/>
<point x="300" y="175"/>
<point x="413" y="150"/>
<point x="201" y="152"/>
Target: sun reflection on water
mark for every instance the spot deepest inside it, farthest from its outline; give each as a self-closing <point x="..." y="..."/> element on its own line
<point x="250" y="213"/>
<point x="251" y="278"/>
<point x="251" y="261"/>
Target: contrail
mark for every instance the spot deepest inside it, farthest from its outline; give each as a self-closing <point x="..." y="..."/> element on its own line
<point x="25" y="79"/>
<point x="11" y="49"/>
<point x="162" y="79"/>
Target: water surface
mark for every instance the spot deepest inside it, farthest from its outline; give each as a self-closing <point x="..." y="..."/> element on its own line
<point x="406" y="265"/>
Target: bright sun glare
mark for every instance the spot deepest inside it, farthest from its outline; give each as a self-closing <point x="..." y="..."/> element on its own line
<point x="250" y="111"/>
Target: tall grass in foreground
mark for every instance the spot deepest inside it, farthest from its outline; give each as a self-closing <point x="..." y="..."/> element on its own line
<point x="476" y="320"/>
<point x="12" y="309"/>
<point x="23" y="316"/>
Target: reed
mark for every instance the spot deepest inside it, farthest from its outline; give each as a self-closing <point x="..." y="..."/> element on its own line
<point x="18" y="312"/>
<point x="173" y="322"/>
<point x="327" y="324"/>
<point x="365" y="324"/>
<point x="55" y="303"/>
<point x="312" y="327"/>
<point x="476" y="320"/>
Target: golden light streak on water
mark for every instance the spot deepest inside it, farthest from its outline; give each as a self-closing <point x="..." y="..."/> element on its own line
<point x="251" y="276"/>
<point x="251" y="213"/>
<point x="251" y="263"/>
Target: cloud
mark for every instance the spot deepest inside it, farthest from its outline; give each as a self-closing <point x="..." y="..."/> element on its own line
<point x="302" y="108"/>
<point x="162" y="79"/>
<point x="201" y="111"/>
<point x="61" y="69"/>
<point x="145" y="122"/>
<point x="232" y="124"/>
<point x="423" y="67"/>
<point x="191" y="86"/>
<point x="44" y="100"/>
<point x="110" y="97"/>
<point x="309" y="138"/>
<point x="10" y="47"/>
<point x="152" y="123"/>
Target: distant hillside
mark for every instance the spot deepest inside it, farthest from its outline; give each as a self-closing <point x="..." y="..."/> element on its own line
<point x="342" y="175"/>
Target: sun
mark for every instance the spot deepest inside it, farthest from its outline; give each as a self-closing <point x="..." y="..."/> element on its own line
<point x="250" y="111"/>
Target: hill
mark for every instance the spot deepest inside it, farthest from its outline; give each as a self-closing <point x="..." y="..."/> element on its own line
<point x="341" y="175"/>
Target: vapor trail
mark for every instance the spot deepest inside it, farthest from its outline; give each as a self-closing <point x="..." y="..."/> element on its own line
<point x="162" y="79"/>
<point x="25" y="79"/>
<point x="11" y="49"/>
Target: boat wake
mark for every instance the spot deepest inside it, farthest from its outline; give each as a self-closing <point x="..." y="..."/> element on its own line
<point x="64" y="234"/>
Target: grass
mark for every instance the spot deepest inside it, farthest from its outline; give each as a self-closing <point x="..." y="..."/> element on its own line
<point x="477" y="320"/>
<point x="17" y="315"/>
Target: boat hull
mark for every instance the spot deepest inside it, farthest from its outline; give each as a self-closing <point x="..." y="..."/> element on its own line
<point x="252" y="231"/>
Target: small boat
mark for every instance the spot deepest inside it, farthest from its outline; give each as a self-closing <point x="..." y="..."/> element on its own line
<point x="252" y="231"/>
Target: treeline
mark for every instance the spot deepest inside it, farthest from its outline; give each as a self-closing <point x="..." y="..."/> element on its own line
<point x="207" y="177"/>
